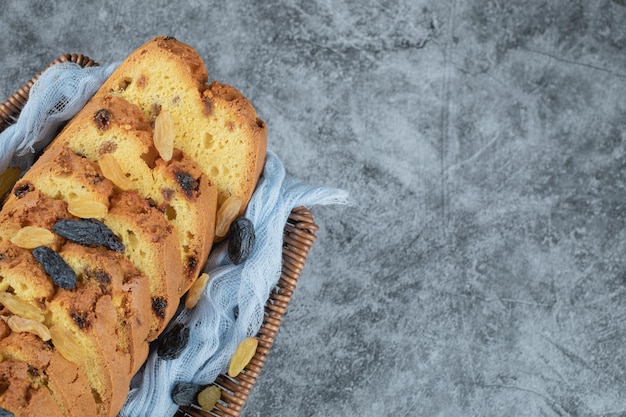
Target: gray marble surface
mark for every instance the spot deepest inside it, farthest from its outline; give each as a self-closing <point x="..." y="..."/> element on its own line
<point x="482" y="269"/>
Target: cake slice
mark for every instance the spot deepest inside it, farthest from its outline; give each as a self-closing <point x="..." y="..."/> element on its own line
<point x="48" y="371"/>
<point x="152" y="246"/>
<point x="214" y="124"/>
<point x="129" y="292"/>
<point x="113" y="131"/>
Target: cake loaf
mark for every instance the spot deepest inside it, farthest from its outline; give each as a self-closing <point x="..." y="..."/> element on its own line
<point x="111" y="226"/>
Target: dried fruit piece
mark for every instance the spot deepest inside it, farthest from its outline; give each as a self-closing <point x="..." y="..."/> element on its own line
<point x="64" y="342"/>
<point x="196" y="290"/>
<point x="164" y="135"/>
<point x="184" y="393"/>
<point x="89" y="232"/>
<point x="241" y="240"/>
<point x="187" y="183"/>
<point x="87" y="209"/>
<point x="56" y="267"/>
<point x="208" y="397"/>
<point x="21" y="324"/>
<point x="112" y="171"/>
<point x="102" y="119"/>
<point x="173" y="342"/>
<point x="159" y="304"/>
<point x="29" y="237"/>
<point x="5" y="413"/>
<point x="8" y="178"/>
<point x="21" y="190"/>
<point x="20" y="308"/>
<point x="244" y="353"/>
<point x="226" y="214"/>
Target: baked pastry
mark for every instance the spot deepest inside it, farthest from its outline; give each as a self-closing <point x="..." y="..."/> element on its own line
<point x="111" y="226"/>
<point x="214" y="124"/>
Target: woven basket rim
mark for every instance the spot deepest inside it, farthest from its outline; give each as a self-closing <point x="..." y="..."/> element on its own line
<point x="298" y="238"/>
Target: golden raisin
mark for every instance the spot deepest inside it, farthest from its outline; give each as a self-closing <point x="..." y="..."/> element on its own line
<point x="29" y="237"/>
<point x="196" y="290"/>
<point x="86" y="209"/>
<point x="20" y="308"/>
<point x="228" y="212"/>
<point x="112" y="171"/>
<point x="244" y="353"/>
<point x="20" y="324"/>
<point x="65" y="343"/>
<point x="208" y="397"/>
<point x="164" y="135"/>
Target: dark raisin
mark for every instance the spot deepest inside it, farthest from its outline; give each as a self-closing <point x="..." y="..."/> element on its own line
<point x="151" y="202"/>
<point x="101" y="276"/>
<point x="32" y="371"/>
<point x="81" y="320"/>
<point x="208" y="106"/>
<point x="96" y="179"/>
<point x="187" y="183"/>
<point x="192" y="264"/>
<point x="167" y="193"/>
<point x="155" y="110"/>
<point x="173" y="342"/>
<point x="5" y="413"/>
<point x="241" y="240"/>
<point x="159" y="304"/>
<point x="23" y="189"/>
<point x="107" y="147"/>
<point x="89" y="232"/>
<point x="169" y="38"/>
<point x="184" y="393"/>
<point x="102" y="119"/>
<point x="56" y="267"/>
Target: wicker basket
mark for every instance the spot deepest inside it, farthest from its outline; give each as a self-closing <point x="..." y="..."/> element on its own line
<point x="299" y="236"/>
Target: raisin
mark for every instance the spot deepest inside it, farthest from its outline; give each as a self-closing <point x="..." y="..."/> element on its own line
<point x="89" y="232"/>
<point x="167" y="193"/>
<point x="99" y="275"/>
<point x="208" y="397"/>
<point x="187" y="183"/>
<point x="163" y="137"/>
<point x="241" y="241"/>
<point x="207" y="109"/>
<point x="243" y="355"/>
<point x="169" y="38"/>
<point x="33" y="371"/>
<point x="56" y="267"/>
<point x="173" y="342"/>
<point x="159" y="304"/>
<point x="81" y="320"/>
<point x="184" y="393"/>
<point x="228" y="211"/>
<point x="195" y="291"/>
<point x="23" y="189"/>
<point x="107" y="147"/>
<point x="102" y="119"/>
<point x="5" y="413"/>
<point x="192" y="264"/>
<point x="155" y="110"/>
<point x="19" y="324"/>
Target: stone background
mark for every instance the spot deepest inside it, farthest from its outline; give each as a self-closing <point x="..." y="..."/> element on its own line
<point x="481" y="271"/>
